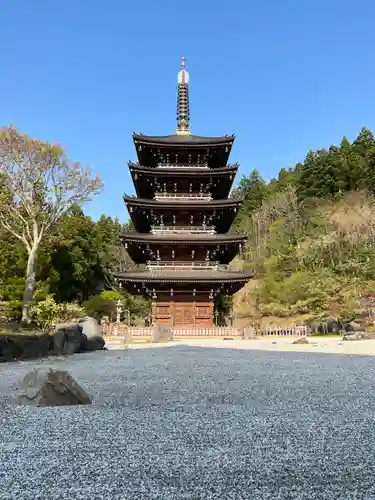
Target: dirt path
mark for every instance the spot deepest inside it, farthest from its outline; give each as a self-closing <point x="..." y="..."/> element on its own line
<point x="331" y="345"/>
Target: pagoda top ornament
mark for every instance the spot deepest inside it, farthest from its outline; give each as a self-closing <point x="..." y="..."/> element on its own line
<point x="183" y="75"/>
<point x="183" y="106"/>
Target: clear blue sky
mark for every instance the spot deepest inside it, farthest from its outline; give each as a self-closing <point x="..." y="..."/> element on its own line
<point x="284" y="75"/>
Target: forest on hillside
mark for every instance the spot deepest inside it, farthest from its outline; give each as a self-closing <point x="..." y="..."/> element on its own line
<point x="310" y="238"/>
<point x="311" y="234"/>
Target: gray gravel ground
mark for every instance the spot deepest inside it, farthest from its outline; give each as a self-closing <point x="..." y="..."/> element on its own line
<point x="195" y="423"/>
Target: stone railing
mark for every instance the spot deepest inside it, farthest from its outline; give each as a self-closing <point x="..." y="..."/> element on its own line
<point x="161" y="229"/>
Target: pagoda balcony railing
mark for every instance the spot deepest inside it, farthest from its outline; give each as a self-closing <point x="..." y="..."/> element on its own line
<point x="161" y="229"/>
<point x="183" y="196"/>
<point x="187" y="265"/>
<point x="183" y="165"/>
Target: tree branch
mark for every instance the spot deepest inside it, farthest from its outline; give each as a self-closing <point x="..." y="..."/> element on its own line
<point x="15" y="234"/>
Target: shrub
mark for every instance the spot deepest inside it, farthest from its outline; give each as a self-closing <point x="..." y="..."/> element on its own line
<point x="11" y="310"/>
<point x="111" y="295"/>
<point x="47" y="313"/>
<point x="12" y="288"/>
<point x="69" y="312"/>
<point x="44" y="313"/>
<point x="99" y="306"/>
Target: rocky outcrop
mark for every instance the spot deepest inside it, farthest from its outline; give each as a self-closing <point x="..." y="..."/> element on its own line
<point x="48" y="387"/>
<point x="302" y="340"/>
<point x="161" y="333"/>
<point x="24" y="346"/>
<point x="249" y="333"/>
<point x="355" y="336"/>
<point x="92" y="338"/>
<point x="78" y="337"/>
<point x="67" y="339"/>
<point x="354" y="326"/>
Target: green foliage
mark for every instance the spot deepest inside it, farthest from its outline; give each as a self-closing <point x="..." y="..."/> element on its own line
<point x="11" y="310"/>
<point x="46" y="313"/>
<point x="38" y="185"/>
<point x="223" y="303"/>
<point x="99" y="306"/>
<point x="11" y="288"/>
<point x="111" y="295"/>
<point x="253" y="191"/>
<point x="311" y="239"/>
<point x="339" y="169"/>
<point x="223" y="307"/>
<point x="105" y="304"/>
<point x="12" y="267"/>
<point x="75" y="264"/>
<point x="136" y="305"/>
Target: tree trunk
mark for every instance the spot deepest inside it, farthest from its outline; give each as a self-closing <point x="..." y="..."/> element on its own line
<point x="30" y="285"/>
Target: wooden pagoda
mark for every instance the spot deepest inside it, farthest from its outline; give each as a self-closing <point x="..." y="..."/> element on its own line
<point x="181" y="214"/>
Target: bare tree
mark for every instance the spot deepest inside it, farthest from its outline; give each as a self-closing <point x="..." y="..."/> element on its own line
<point x="38" y="184"/>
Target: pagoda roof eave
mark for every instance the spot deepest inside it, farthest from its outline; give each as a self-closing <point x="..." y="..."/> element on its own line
<point x="163" y="205"/>
<point x="188" y="171"/>
<point x="183" y="140"/>
<point x="172" y="276"/>
<point x="179" y="238"/>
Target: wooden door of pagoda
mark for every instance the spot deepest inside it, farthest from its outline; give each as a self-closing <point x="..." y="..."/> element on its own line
<point x="184" y="314"/>
<point x="162" y="313"/>
<point x="204" y="314"/>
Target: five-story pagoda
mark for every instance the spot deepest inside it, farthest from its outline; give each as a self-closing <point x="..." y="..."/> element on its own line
<point x="182" y="216"/>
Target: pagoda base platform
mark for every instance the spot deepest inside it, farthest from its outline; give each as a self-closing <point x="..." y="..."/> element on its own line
<point x="183" y="313"/>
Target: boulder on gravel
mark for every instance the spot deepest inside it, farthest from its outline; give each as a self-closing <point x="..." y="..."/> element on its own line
<point x="353" y="326"/>
<point x="354" y="336"/>
<point x="161" y="333"/>
<point x="7" y="349"/>
<point x="67" y="339"/>
<point x="92" y="335"/>
<point x="24" y="346"/>
<point x="302" y="340"/>
<point x="127" y="338"/>
<point x="32" y="346"/>
<point x="48" y="387"/>
<point x="93" y="344"/>
<point x="90" y="327"/>
<point x="249" y="333"/>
